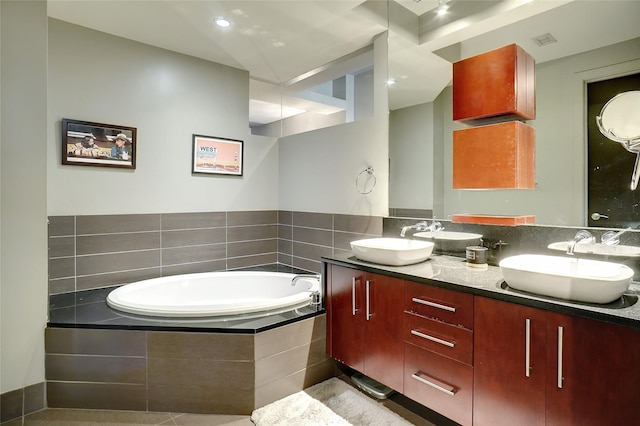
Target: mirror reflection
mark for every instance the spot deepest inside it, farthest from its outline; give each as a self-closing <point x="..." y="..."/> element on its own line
<point x="570" y="53"/>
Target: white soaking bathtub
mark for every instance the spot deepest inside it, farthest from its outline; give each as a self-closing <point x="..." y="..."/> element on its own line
<point x="215" y="294"/>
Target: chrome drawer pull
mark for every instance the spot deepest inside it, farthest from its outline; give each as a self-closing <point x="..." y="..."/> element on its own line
<point x="433" y="339"/>
<point x="449" y="391"/>
<point x="560" y="334"/>
<point x="354" y="310"/>
<point x="368" y="297"/>
<point x="434" y="305"/>
<point x="527" y="347"/>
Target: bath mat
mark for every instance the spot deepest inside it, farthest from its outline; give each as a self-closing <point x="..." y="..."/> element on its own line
<point x="331" y="402"/>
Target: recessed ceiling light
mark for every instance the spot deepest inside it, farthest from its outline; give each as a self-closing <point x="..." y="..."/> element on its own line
<point x="222" y="22"/>
<point x="544" y="39"/>
<point x="443" y="7"/>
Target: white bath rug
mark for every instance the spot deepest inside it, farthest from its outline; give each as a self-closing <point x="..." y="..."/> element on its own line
<point x="331" y="402"/>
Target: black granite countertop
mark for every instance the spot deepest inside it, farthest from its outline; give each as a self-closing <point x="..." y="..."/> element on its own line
<point x="453" y="273"/>
<point x="89" y="309"/>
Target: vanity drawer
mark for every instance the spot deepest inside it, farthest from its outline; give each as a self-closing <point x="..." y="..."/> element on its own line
<point x="438" y="382"/>
<point x="436" y="336"/>
<point x="445" y="305"/>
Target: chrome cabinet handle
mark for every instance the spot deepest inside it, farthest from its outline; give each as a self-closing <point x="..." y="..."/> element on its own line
<point x="560" y="335"/>
<point x="368" y="303"/>
<point x="434" y="305"/>
<point x="354" y="310"/>
<point x="527" y="347"/>
<point x="433" y="339"/>
<point x="449" y="390"/>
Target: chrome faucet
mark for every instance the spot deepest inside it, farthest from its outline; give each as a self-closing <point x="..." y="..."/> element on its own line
<point x="301" y="276"/>
<point x="612" y="238"/>
<point x="582" y="237"/>
<point x="423" y="226"/>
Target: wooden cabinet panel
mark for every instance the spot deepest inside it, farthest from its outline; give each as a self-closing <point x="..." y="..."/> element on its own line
<point x="364" y="321"/>
<point x="506" y="392"/>
<point x="439" y="383"/>
<point x="445" y="305"/>
<point x="383" y="360"/>
<point x="445" y="339"/>
<point x="497" y="156"/>
<point x="496" y="83"/>
<point x="345" y="288"/>
<point x="599" y="375"/>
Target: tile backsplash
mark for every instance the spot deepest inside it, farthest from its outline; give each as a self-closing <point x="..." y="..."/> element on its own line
<point x="96" y="251"/>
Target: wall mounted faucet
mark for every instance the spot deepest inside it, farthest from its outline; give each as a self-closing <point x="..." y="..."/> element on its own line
<point x="423" y="226"/>
<point x="582" y="237"/>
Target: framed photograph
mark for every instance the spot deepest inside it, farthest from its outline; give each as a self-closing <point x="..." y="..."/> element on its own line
<point x="217" y="155"/>
<point x="95" y="144"/>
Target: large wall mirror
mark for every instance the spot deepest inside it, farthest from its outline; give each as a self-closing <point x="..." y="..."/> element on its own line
<point x="574" y="43"/>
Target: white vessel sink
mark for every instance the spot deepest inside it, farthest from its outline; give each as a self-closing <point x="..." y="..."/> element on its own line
<point x="450" y="241"/>
<point x="392" y="251"/>
<point x="570" y="278"/>
<point x="600" y="249"/>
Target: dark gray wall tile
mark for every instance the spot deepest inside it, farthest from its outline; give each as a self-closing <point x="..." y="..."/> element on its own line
<point x="106" y="396"/>
<point x="260" y="217"/>
<point x="87" y="368"/>
<point x="88" y="282"/>
<point x="342" y="240"/>
<point x="285" y="232"/>
<point x="237" y="347"/>
<point x="115" y="262"/>
<point x="62" y="246"/>
<point x="248" y="233"/>
<point x="200" y="372"/>
<point x="11" y="405"/>
<point x="193" y="220"/>
<point x="249" y="261"/>
<point x="313" y="220"/>
<point x="34" y="398"/>
<point x="64" y="285"/>
<point x="306" y="264"/>
<point x="193" y="237"/>
<point x="192" y="268"/>
<point x="200" y="399"/>
<point x="285" y="246"/>
<point x="358" y="224"/>
<point x="289" y="336"/>
<point x="94" y="341"/>
<point x="109" y="224"/>
<point x="181" y="255"/>
<point x="62" y="267"/>
<point x="313" y="236"/>
<point x="249" y="248"/>
<point x="285" y="217"/>
<point x="61" y="225"/>
<point x="310" y="251"/>
<point x="113" y="243"/>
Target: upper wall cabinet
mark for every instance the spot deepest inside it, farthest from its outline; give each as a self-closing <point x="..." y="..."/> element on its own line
<point x="498" y="83"/>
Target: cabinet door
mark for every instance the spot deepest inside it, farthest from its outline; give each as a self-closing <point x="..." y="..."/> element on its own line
<point x="594" y="374"/>
<point x="384" y="353"/>
<point x="346" y="312"/>
<point x="509" y="364"/>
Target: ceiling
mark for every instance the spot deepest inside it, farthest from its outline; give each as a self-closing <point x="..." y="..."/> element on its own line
<point x="282" y="43"/>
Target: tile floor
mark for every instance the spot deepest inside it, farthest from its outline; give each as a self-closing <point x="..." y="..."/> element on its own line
<point x="411" y="411"/>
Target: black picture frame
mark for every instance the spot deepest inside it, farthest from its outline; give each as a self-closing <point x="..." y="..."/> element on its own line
<point x="86" y="143"/>
<point x="215" y="155"/>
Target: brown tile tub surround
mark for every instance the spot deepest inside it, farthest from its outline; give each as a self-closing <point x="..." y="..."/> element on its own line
<point x="221" y="373"/>
<point x="89" y="252"/>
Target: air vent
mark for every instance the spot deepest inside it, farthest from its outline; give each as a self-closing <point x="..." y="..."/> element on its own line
<point x="544" y="39"/>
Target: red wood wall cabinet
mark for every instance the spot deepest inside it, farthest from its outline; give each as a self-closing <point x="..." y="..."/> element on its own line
<point x="497" y="156"/>
<point x="496" y="83"/>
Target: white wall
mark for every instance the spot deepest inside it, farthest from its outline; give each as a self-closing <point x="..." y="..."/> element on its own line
<point x="168" y="97"/>
<point x="23" y="238"/>
<point x="411" y="133"/>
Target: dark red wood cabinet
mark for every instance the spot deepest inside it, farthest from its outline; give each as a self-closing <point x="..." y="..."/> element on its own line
<point x="364" y="319"/>
<point x="499" y="83"/>
<point x="581" y="372"/>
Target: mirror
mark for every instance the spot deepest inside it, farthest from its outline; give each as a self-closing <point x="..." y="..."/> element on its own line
<point x="569" y="52"/>
<point x="619" y="121"/>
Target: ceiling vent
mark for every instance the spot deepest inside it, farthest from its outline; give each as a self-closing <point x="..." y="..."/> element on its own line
<point x="544" y="39"/>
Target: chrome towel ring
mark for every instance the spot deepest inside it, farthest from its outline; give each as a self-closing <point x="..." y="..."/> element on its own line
<point x="369" y="174"/>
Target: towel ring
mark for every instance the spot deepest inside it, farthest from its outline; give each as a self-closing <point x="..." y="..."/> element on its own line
<point x="369" y="171"/>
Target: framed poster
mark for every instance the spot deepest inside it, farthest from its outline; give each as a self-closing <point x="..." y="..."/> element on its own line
<point x="213" y="155"/>
<point x="85" y="143"/>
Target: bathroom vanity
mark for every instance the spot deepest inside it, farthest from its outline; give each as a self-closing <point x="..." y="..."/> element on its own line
<point x="459" y="341"/>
